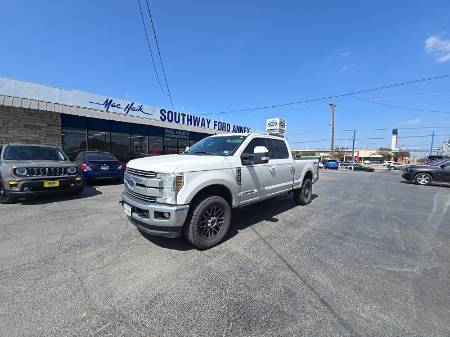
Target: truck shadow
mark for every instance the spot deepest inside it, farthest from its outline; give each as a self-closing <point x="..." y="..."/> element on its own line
<point x="267" y="210"/>
<point x="241" y="218"/>
<point x="89" y="191"/>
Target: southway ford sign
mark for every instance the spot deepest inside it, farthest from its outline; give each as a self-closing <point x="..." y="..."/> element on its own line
<point x="46" y="93"/>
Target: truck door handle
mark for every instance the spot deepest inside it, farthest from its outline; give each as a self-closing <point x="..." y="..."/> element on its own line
<point x="271" y="168"/>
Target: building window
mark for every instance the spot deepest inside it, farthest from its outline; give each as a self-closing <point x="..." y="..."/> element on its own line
<point x="155" y="145"/>
<point x="139" y="145"/>
<point x="120" y="146"/>
<point x="73" y="141"/>
<point x="98" y="140"/>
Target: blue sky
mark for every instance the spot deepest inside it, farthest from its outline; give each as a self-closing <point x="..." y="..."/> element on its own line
<point x="226" y="55"/>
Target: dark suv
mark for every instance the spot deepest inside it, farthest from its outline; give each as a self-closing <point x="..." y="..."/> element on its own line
<point x="426" y="174"/>
<point x="31" y="169"/>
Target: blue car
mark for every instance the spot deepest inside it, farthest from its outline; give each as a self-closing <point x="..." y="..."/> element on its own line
<point x="97" y="165"/>
<point x="331" y="164"/>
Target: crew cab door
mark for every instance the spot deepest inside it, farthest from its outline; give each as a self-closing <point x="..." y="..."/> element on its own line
<point x="254" y="177"/>
<point x="281" y="167"/>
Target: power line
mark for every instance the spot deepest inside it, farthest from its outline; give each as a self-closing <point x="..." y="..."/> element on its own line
<point x="387" y="86"/>
<point x="159" y="53"/>
<point x="149" y="46"/>
<point x="397" y="106"/>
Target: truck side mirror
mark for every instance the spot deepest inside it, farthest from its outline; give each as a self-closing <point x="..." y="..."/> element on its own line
<point x="260" y="155"/>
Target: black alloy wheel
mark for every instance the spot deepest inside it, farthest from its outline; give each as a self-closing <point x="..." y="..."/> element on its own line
<point x="211" y="221"/>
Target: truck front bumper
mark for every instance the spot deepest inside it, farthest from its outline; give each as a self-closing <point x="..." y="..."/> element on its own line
<point x="156" y="219"/>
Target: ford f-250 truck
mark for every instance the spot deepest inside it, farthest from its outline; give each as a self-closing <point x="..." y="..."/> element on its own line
<point x="192" y="194"/>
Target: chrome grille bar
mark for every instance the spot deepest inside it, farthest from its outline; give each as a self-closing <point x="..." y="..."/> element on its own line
<point x="146" y="174"/>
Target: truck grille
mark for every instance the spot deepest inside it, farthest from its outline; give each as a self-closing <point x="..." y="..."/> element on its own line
<point x="140" y="173"/>
<point x="140" y="196"/>
<point x="46" y="171"/>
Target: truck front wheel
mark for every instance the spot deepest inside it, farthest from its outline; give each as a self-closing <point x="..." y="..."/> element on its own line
<point x="303" y="196"/>
<point x="209" y="222"/>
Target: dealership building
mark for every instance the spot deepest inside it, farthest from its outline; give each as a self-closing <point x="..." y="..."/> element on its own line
<point x="76" y="121"/>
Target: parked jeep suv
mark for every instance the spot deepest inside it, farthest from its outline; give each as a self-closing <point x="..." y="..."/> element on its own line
<point x="30" y="169"/>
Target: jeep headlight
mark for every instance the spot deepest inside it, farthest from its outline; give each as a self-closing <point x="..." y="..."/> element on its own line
<point x="72" y="170"/>
<point x="21" y="172"/>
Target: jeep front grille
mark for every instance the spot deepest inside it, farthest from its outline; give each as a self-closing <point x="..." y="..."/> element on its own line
<point x="46" y="171"/>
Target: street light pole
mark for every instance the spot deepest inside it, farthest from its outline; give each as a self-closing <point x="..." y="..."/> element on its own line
<point x="333" y="107"/>
<point x="353" y="149"/>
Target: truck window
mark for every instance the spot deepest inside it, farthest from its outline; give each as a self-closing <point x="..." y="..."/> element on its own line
<point x="254" y="143"/>
<point x="277" y="149"/>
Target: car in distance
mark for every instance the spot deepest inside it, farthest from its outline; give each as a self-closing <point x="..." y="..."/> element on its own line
<point x="360" y="167"/>
<point x="395" y="166"/>
<point x="426" y="174"/>
<point x="192" y="194"/>
<point x="27" y="169"/>
<point x="331" y="164"/>
<point x="97" y="165"/>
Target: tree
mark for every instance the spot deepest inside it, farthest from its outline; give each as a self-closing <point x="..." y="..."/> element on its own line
<point x="401" y="155"/>
<point x="385" y="152"/>
<point x="339" y="153"/>
<point x="304" y="154"/>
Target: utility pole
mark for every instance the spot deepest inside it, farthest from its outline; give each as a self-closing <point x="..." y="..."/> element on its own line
<point x="333" y="107"/>
<point x="353" y="149"/>
<point x="432" y="141"/>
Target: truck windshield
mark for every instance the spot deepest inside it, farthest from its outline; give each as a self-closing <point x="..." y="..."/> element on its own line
<point x="217" y="146"/>
<point x="23" y="152"/>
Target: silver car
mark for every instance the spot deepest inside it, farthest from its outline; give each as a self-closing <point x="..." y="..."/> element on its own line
<point x="32" y="169"/>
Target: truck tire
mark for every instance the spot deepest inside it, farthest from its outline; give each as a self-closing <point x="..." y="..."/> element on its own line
<point x="5" y="197"/>
<point x="303" y="196"/>
<point x="208" y="223"/>
<point x="423" y="179"/>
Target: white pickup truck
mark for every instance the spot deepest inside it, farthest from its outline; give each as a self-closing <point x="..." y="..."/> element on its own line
<point x="192" y="194"/>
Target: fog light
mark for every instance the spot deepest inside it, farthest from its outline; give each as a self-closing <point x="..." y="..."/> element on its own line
<point x="26" y="188"/>
<point x="162" y="215"/>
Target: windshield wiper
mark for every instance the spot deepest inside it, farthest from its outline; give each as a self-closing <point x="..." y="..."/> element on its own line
<point x="204" y="152"/>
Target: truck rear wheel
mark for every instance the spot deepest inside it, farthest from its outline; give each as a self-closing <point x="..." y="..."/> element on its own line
<point x="303" y="196"/>
<point x="208" y="223"/>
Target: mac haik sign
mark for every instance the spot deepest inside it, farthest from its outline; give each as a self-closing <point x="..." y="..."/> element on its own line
<point x="165" y="115"/>
<point x="83" y="99"/>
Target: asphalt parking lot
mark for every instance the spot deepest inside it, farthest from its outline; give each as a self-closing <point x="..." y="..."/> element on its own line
<point x="370" y="256"/>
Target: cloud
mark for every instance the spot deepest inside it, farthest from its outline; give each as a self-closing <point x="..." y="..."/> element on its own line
<point x="438" y="48"/>
<point x="346" y="53"/>
<point x="344" y="68"/>
<point x="413" y="121"/>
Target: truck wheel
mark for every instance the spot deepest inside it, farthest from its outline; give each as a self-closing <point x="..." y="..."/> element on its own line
<point x="209" y="222"/>
<point x="5" y="197"/>
<point x="423" y="179"/>
<point x="303" y="196"/>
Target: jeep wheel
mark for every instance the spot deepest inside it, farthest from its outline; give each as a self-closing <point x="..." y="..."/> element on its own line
<point x="303" y="196"/>
<point x="423" y="179"/>
<point x="209" y="222"/>
<point x="5" y="197"/>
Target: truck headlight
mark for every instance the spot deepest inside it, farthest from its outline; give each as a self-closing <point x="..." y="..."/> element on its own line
<point x="72" y="170"/>
<point x="21" y="172"/>
<point x="171" y="184"/>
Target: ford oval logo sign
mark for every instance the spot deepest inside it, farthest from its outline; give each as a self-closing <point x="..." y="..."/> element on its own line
<point x="130" y="182"/>
<point x="274" y="123"/>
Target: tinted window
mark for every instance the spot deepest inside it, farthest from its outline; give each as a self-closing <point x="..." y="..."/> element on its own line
<point x="23" y="152"/>
<point x="277" y="149"/>
<point x="100" y="156"/>
<point x="254" y="143"/>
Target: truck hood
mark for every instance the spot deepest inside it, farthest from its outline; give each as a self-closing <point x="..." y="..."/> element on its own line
<point x="175" y="163"/>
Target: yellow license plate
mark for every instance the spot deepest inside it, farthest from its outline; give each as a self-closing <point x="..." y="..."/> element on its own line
<point x="51" y="183"/>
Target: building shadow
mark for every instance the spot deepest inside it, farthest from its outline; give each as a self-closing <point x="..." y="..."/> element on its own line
<point x="88" y="192"/>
